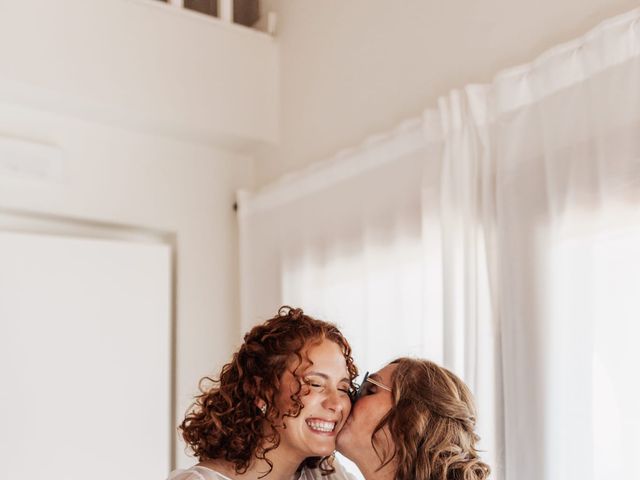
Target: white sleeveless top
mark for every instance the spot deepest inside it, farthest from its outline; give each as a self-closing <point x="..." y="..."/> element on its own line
<point x="196" y="473"/>
<point x="203" y="473"/>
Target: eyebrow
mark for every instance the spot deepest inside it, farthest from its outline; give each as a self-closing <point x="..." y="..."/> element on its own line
<point x="325" y="376"/>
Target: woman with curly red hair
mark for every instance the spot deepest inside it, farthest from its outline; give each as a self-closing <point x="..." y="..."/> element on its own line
<point x="277" y="407"/>
<point x="413" y="420"/>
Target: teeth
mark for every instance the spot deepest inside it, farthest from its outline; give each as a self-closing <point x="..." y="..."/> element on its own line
<point x="322" y="426"/>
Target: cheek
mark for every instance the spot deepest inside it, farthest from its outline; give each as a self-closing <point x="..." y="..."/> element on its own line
<point x="346" y="407"/>
<point x="287" y="406"/>
<point x="311" y="401"/>
<point x="361" y="412"/>
<point x="370" y="412"/>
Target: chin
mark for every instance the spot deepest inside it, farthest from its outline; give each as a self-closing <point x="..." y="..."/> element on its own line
<point x="325" y="452"/>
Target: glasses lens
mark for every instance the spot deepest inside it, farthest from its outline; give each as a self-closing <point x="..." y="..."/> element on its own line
<point x="361" y="387"/>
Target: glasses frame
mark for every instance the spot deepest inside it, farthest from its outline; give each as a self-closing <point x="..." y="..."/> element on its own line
<point x="366" y="379"/>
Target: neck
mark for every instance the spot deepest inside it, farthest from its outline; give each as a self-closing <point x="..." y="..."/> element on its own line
<point x="370" y="471"/>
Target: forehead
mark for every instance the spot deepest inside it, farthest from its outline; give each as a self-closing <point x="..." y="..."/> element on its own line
<point x="321" y="355"/>
<point x="385" y="375"/>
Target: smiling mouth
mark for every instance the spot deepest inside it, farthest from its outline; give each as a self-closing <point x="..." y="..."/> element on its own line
<point x="321" y="426"/>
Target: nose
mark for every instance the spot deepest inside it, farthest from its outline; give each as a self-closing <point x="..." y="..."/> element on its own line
<point x="334" y="401"/>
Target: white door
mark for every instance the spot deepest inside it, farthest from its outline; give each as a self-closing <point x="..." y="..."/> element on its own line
<point x="85" y="369"/>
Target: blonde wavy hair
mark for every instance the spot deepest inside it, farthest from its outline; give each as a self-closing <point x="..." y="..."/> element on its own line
<point x="432" y="424"/>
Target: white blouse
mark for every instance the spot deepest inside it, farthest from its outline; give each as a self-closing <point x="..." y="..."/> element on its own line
<point x="203" y="473"/>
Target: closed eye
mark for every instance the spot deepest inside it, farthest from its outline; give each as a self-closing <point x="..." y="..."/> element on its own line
<point x="369" y="389"/>
<point x="345" y="389"/>
<point x="313" y="383"/>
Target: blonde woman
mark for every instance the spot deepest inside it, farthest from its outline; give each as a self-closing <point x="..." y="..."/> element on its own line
<point x="413" y="420"/>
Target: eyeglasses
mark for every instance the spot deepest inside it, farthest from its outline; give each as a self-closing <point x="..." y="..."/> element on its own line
<point x="361" y="388"/>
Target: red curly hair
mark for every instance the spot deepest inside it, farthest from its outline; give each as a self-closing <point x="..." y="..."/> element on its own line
<point x="225" y="423"/>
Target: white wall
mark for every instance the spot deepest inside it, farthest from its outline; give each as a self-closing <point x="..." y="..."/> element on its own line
<point x="111" y="299"/>
<point x="353" y="68"/>
<point x="141" y="63"/>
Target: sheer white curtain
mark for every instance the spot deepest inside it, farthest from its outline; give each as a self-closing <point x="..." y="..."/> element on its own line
<point x="469" y="259"/>
<point x="499" y="235"/>
<point x="567" y="149"/>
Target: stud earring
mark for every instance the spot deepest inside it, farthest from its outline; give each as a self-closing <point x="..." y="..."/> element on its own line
<point x="263" y="408"/>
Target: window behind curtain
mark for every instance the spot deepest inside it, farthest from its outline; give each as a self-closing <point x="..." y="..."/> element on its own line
<point x="597" y="278"/>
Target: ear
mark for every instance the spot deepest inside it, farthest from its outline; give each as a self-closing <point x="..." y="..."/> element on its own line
<point x="262" y="405"/>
